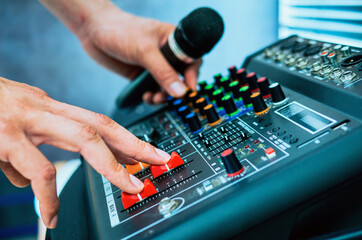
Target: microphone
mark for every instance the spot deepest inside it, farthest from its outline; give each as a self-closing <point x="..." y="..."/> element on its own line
<point x="195" y="35"/>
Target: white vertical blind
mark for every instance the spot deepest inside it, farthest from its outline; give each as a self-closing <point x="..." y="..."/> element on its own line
<point x="337" y="21"/>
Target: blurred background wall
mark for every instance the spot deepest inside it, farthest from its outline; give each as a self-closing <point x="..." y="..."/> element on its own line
<point x="35" y="48"/>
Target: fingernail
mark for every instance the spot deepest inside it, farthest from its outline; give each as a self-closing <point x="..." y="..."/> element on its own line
<point x="136" y="182"/>
<point x="177" y="88"/>
<point x="53" y="222"/>
<point x="165" y="156"/>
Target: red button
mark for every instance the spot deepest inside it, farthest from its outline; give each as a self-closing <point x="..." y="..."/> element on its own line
<point x="174" y="161"/>
<point x="129" y="200"/>
<point x="270" y="153"/>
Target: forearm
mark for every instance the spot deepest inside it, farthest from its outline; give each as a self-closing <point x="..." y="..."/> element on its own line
<point x="76" y="13"/>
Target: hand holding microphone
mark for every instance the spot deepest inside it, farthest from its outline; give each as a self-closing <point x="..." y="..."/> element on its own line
<point x="195" y="35"/>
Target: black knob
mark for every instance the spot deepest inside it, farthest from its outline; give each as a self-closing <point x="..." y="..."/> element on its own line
<point x="183" y="112"/>
<point x="252" y="81"/>
<point x="277" y="94"/>
<point x="259" y="105"/>
<point x="263" y="83"/>
<point x="200" y="104"/>
<point x="229" y="105"/>
<point x="217" y="78"/>
<point x="241" y="75"/>
<point x="194" y="123"/>
<point x="177" y="104"/>
<point x="169" y="101"/>
<point x="193" y="97"/>
<point x="217" y="96"/>
<point x="231" y="163"/>
<point x="213" y="117"/>
<point x="234" y="87"/>
<point x="209" y="89"/>
<point x="225" y="81"/>
<point x="232" y="71"/>
<point x="202" y="86"/>
<point x="245" y="94"/>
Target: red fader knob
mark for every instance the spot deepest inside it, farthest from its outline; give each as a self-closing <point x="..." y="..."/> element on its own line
<point x="174" y="161"/>
<point x="130" y="199"/>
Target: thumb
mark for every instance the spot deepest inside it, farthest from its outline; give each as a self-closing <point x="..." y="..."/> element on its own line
<point x="164" y="74"/>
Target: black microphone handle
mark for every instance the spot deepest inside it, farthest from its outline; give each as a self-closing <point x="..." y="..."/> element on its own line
<point x="132" y="94"/>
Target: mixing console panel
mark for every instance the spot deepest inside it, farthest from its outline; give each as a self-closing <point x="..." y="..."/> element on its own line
<point x="242" y="130"/>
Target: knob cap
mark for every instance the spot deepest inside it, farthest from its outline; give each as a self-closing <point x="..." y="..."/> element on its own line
<point x="200" y="104"/>
<point x="169" y="102"/>
<point x="202" y="86"/>
<point x="194" y="123"/>
<point x="177" y="104"/>
<point x="245" y="94"/>
<point x="277" y="94"/>
<point x="241" y="75"/>
<point x="252" y="81"/>
<point x="259" y="105"/>
<point x="234" y="87"/>
<point x="232" y="164"/>
<point x="183" y="111"/>
<point x="193" y="97"/>
<point x="232" y="71"/>
<point x="213" y="117"/>
<point x="263" y="83"/>
<point x="225" y="81"/>
<point x="209" y="89"/>
<point x="217" y="96"/>
<point x="217" y="78"/>
<point x="229" y="105"/>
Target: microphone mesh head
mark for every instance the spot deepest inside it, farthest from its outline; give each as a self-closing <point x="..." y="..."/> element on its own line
<point x="201" y="30"/>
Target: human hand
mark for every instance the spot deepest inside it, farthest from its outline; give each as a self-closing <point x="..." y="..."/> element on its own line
<point x="29" y="118"/>
<point x="126" y="43"/>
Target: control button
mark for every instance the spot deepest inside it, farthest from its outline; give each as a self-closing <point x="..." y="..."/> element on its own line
<point x="259" y="105"/>
<point x="167" y="206"/>
<point x="245" y="94"/>
<point x="289" y="60"/>
<point x="217" y="96"/>
<point x="207" y="143"/>
<point x="226" y="139"/>
<point x="286" y="137"/>
<point x="252" y="81"/>
<point x="222" y="130"/>
<point x="299" y="47"/>
<point x="316" y="66"/>
<point x="217" y="78"/>
<point x="177" y="104"/>
<point x="209" y="89"/>
<point x="293" y="140"/>
<point x="312" y="50"/>
<point x="201" y="136"/>
<point x="331" y="58"/>
<point x="232" y="71"/>
<point x="229" y="105"/>
<point x="268" y="53"/>
<point x="225" y="81"/>
<point x="325" y="70"/>
<point x="277" y="94"/>
<point x="202" y="86"/>
<point x="241" y="75"/>
<point x="301" y="63"/>
<point x="276" y="129"/>
<point x="135" y="168"/>
<point x="175" y="161"/>
<point x="169" y="101"/>
<point x="270" y="153"/>
<point x="278" y="57"/>
<point x="346" y="51"/>
<point x="263" y="84"/>
<point x="129" y="200"/>
<point x="194" y="123"/>
<point x="347" y="77"/>
<point x="337" y="48"/>
<point x="200" y="104"/>
<point x="288" y="44"/>
<point x="234" y="89"/>
<point x="183" y="112"/>
<point x="193" y="97"/>
<point x="324" y="55"/>
<point x="231" y="163"/>
<point x="213" y="117"/>
<point x="336" y="73"/>
<point x="281" y="133"/>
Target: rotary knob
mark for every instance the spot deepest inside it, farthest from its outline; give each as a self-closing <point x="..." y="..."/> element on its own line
<point x="241" y="75"/>
<point x="232" y="71"/>
<point x="229" y="105"/>
<point x="245" y="94"/>
<point x="263" y="83"/>
<point x="200" y="104"/>
<point x="217" y="96"/>
<point x="277" y="94"/>
<point x="225" y="81"/>
<point x="202" y="86"/>
<point x="234" y="88"/>
<point x="213" y="117"/>
<point x="231" y="163"/>
<point x="252" y="81"/>
<point x="177" y="104"/>
<point x="259" y="105"/>
<point x="217" y="78"/>
<point x="183" y="111"/>
<point x="194" y="123"/>
<point x="209" y="89"/>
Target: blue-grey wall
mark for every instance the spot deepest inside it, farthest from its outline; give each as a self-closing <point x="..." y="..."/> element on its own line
<point x="37" y="49"/>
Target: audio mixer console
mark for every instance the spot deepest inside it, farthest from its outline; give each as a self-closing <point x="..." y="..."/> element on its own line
<point x="283" y="129"/>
